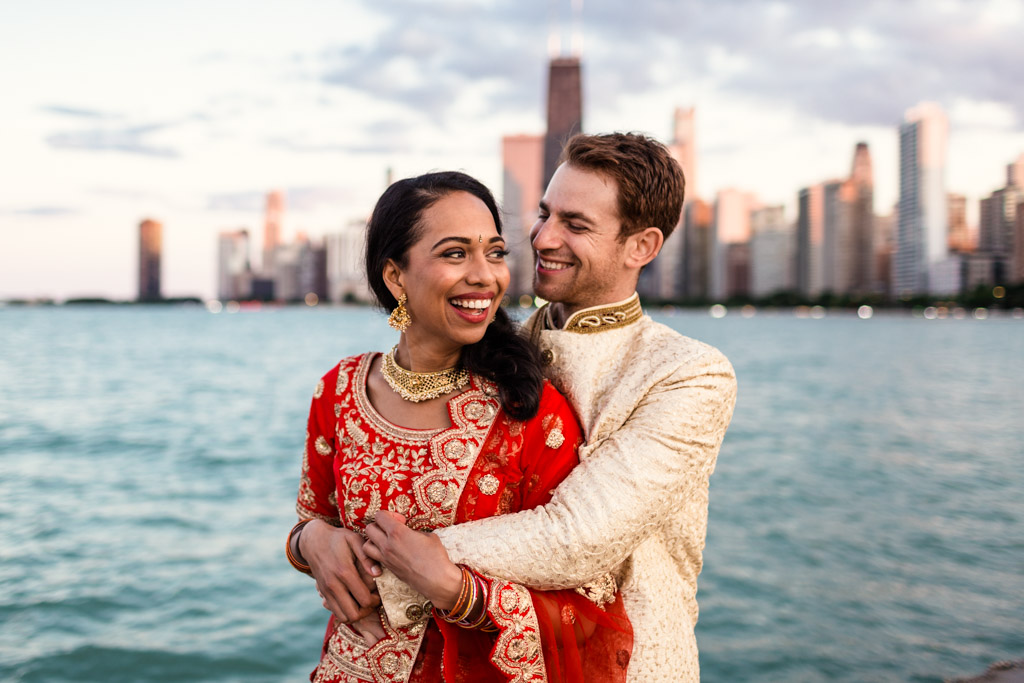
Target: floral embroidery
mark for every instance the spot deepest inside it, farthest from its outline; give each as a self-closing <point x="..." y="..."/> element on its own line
<point x="517" y="651"/>
<point x="555" y="438"/>
<point x="319" y="389"/>
<point x="488" y="484"/>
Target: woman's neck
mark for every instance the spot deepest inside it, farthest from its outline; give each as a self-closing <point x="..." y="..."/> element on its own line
<point x="421" y="356"/>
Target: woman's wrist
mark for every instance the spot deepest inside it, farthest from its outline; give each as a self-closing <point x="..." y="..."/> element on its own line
<point x="449" y="588"/>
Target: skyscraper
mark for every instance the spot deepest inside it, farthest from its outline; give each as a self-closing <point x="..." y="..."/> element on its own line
<point x="771" y="252"/>
<point x="684" y="147"/>
<point x="150" y="247"/>
<point x="272" y="230"/>
<point x="860" y="262"/>
<point x="234" y="276"/>
<point x="959" y="236"/>
<point x="810" y="238"/>
<point x="921" y="231"/>
<point x="730" y="226"/>
<point x="565" y="110"/>
<point x="663" y="278"/>
<point x="522" y="159"/>
<point x="996" y="235"/>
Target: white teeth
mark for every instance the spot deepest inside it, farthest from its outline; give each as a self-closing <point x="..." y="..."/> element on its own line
<point x="473" y="303"/>
<point x="551" y="265"/>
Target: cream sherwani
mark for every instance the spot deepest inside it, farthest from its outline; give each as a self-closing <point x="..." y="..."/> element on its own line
<point x="654" y="407"/>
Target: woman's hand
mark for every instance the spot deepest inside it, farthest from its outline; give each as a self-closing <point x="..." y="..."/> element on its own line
<point x="416" y="557"/>
<point x="370" y="628"/>
<point x="341" y="569"/>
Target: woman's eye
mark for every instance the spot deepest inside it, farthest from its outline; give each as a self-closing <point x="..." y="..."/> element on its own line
<point x="453" y="253"/>
<point x="499" y="253"/>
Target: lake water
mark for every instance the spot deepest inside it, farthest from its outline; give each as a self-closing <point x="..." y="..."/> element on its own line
<point x="867" y="511"/>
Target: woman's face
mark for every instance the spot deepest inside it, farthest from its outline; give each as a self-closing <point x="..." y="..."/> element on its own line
<point x="456" y="273"/>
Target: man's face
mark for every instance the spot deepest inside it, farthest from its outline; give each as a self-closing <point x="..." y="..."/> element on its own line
<point x="578" y="258"/>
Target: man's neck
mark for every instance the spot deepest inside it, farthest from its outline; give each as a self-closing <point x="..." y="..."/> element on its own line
<point x="562" y="312"/>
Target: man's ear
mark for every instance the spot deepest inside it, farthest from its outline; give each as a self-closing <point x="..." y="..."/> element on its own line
<point x="643" y="246"/>
<point x="393" y="279"/>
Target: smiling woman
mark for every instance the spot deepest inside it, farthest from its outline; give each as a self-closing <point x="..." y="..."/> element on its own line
<point x="455" y="423"/>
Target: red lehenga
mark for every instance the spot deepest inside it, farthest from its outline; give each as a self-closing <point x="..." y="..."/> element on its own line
<point x="485" y="464"/>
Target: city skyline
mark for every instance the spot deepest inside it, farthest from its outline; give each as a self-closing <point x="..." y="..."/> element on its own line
<point x="195" y="134"/>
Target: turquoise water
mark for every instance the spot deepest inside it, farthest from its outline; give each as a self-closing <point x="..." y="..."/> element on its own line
<point x="867" y="512"/>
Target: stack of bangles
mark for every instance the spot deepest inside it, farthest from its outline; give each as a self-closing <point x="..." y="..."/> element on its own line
<point x="295" y="561"/>
<point x="474" y="587"/>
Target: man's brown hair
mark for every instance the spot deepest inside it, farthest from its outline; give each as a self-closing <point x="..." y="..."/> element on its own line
<point x="651" y="183"/>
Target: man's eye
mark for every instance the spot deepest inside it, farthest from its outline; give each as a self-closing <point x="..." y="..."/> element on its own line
<point x="576" y="228"/>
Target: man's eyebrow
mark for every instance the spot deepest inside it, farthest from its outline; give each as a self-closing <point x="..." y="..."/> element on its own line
<point x="464" y="240"/>
<point x="567" y="215"/>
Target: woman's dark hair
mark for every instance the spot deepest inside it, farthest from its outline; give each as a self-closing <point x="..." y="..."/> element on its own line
<point x="503" y="356"/>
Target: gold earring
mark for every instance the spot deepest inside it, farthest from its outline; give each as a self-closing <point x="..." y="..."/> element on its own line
<point x="399" y="318"/>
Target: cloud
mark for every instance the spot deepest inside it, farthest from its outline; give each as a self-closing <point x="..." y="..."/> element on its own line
<point x="425" y="58"/>
<point x="855" y="63"/>
<point x="130" y="140"/>
<point x="301" y="147"/>
<point x="77" y="112"/>
<point x="49" y="211"/>
<point x="298" y="199"/>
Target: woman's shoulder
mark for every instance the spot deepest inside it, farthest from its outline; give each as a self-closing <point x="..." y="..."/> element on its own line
<point x="554" y="404"/>
<point x="339" y="377"/>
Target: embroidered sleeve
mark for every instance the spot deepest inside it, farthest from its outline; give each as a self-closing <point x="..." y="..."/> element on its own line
<point x="317" y="492"/>
<point x="660" y="458"/>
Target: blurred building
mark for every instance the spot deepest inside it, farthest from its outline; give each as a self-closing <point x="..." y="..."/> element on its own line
<point x="698" y="216"/>
<point x="921" y="231"/>
<point x="565" y="110"/>
<point x="346" y="280"/>
<point x="772" y="250"/>
<point x="885" y="247"/>
<point x="1017" y="270"/>
<point x="522" y="188"/>
<point x="997" y="234"/>
<point x="662" y="279"/>
<point x="810" y="241"/>
<point x="272" y="229"/>
<point x="313" y="272"/>
<point x="860" y="261"/>
<point x="959" y="235"/>
<point x="234" y="274"/>
<point x="730" y="226"/>
<point x="150" y="248"/>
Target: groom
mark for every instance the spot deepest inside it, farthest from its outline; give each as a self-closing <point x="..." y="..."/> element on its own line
<point x="654" y="406"/>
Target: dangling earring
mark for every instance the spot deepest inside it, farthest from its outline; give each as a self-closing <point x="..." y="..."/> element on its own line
<point x="399" y="318"/>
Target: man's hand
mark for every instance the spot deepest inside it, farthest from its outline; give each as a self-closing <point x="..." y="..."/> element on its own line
<point x="341" y="569"/>
<point x="416" y="557"/>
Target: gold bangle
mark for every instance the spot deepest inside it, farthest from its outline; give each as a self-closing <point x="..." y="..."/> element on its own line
<point x="292" y="559"/>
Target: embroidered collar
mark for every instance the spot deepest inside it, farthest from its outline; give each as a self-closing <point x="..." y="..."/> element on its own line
<point x="599" y="318"/>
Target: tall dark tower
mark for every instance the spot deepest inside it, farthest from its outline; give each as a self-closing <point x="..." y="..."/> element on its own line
<point x="150" y="247"/>
<point x="565" y="110"/>
<point x="565" y="97"/>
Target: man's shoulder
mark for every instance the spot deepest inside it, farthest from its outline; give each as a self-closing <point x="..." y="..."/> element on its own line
<point x="660" y="341"/>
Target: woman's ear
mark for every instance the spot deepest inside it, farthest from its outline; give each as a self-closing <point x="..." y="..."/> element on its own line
<point x="393" y="278"/>
<point x="643" y="246"/>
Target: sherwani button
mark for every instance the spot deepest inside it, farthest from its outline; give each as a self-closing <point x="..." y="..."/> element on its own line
<point x="547" y="356"/>
<point x="414" y="612"/>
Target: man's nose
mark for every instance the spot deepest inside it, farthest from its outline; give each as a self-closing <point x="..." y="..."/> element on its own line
<point x="544" y="235"/>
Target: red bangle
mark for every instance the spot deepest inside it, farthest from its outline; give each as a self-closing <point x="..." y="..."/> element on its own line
<point x="295" y="561"/>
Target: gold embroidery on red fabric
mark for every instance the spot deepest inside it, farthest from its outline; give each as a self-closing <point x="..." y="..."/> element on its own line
<point x="418" y="473"/>
<point x="319" y="389"/>
<point x="517" y="651"/>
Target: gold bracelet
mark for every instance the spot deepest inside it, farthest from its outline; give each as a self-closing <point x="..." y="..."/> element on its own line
<point x="295" y="561"/>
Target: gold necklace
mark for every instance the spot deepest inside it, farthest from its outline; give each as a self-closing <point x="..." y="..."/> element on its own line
<point x="421" y="386"/>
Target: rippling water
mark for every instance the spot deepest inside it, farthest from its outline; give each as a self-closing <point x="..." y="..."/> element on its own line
<point x="867" y="518"/>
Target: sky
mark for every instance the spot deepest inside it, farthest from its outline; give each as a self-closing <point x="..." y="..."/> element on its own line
<point x="190" y="112"/>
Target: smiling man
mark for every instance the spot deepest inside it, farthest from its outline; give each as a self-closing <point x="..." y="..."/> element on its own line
<point x="654" y="406"/>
